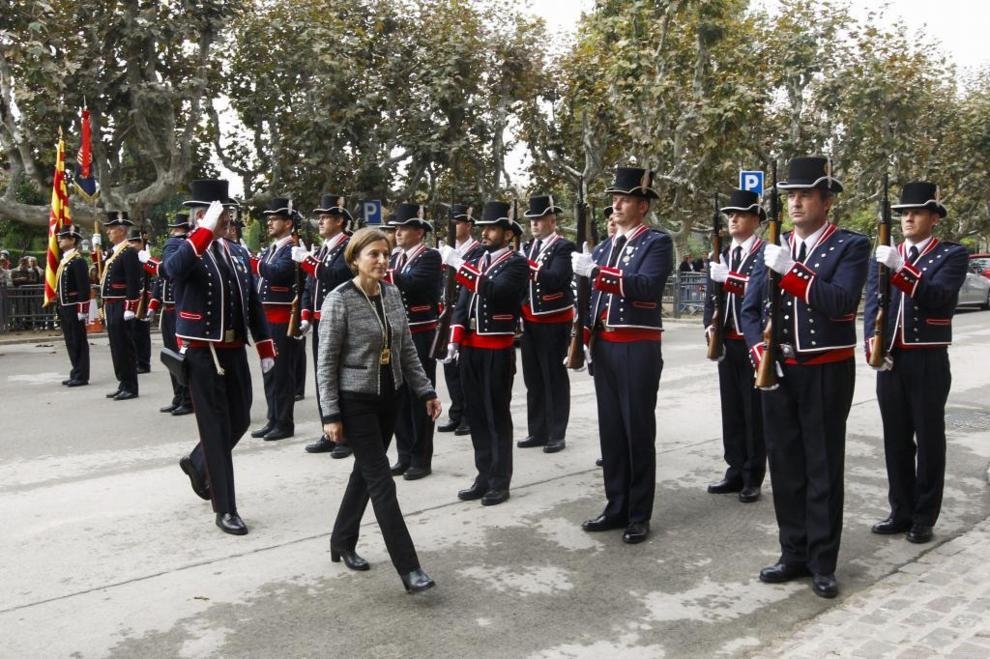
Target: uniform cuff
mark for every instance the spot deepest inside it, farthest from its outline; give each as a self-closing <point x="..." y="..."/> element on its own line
<point x="154" y="304"/>
<point x="756" y="354"/>
<point x="456" y="334"/>
<point x="151" y="267"/>
<point x="907" y="279"/>
<point x="309" y="265"/>
<point x="131" y="305"/>
<point x="200" y="239"/>
<point x="468" y="276"/>
<point x="609" y="280"/>
<point x="735" y="284"/>
<point x="798" y="281"/>
<point x="306" y="314"/>
<point x="266" y="348"/>
<point x="256" y="266"/>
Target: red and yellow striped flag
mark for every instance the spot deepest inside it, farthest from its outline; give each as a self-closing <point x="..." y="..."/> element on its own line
<point x="59" y="217"/>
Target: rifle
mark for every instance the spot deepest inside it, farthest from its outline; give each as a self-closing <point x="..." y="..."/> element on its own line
<point x="879" y="340"/>
<point x="715" y="346"/>
<point x="439" y="348"/>
<point x="766" y="373"/>
<point x="142" y="307"/>
<point x="98" y="254"/>
<point x="575" y="350"/>
<point x="295" y="310"/>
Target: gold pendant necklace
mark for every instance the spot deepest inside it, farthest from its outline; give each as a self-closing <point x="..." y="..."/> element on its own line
<point x="385" y="356"/>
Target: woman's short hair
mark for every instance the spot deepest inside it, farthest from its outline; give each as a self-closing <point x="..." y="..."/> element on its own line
<point x="361" y="239"/>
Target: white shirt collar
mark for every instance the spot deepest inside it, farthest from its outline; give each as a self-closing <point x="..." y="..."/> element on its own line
<point x="921" y="246"/>
<point x="498" y="252"/>
<point x="809" y="241"/>
<point x="119" y="246"/>
<point x="334" y="240"/>
<point x="746" y="245"/>
<point x="412" y="250"/>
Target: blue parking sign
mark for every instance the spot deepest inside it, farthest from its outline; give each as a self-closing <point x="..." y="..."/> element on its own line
<point x="372" y="211"/>
<point x="751" y="181"/>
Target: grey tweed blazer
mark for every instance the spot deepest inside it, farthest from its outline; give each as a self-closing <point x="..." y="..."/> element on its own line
<point x="350" y="345"/>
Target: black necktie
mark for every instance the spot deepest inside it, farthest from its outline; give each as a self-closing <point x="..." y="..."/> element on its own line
<point x="400" y="262"/>
<point x="221" y="259"/>
<point x="736" y="258"/>
<point x="912" y="254"/>
<point x="537" y="246"/>
<point x="613" y="258"/>
<point x="802" y="253"/>
<point x="485" y="261"/>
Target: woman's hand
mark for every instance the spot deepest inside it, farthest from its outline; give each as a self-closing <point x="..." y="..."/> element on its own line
<point x="334" y="431"/>
<point x="434" y="408"/>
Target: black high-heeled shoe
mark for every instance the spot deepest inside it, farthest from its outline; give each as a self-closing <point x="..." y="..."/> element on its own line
<point x="351" y="559"/>
<point x="417" y="581"/>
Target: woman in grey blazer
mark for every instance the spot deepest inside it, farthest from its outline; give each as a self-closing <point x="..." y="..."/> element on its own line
<point x="366" y="355"/>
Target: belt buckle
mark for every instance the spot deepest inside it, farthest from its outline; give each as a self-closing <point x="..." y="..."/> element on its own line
<point x="228" y="336"/>
<point x="473" y="324"/>
<point x="788" y="350"/>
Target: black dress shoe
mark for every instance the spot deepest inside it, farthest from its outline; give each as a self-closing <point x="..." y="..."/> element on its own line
<point x="77" y="383"/>
<point x="64" y="382"/>
<point x="636" y="532"/>
<point x="494" y="497"/>
<point x="114" y="393"/>
<point x="825" y="585"/>
<point x="530" y="442"/>
<point x="196" y="479"/>
<point x="602" y="523"/>
<point x="725" y="486"/>
<point x="341" y="451"/>
<point x="473" y="493"/>
<point x="599" y="462"/>
<point x="417" y="581"/>
<point x="919" y="534"/>
<point x="351" y="559"/>
<point x="262" y="431"/>
<point x="399" y="468"/>
<point x="890" y="526"/>
<point x="462" y="430"/>
<point x="783" y="572"/>
<point x="322" y="445"/>
<point x="167" y="409"/>
<point x="182" y="410"/>
<point x="299" y="397"/>
<point x="450" y="426"/>
<point x="415" y="473"/>
<point x="231" y="523"/>
<point x="555" y="446"/>
<point x="125" y="395"/>
<point x="144" y="369"/>
<point x="749" y="494"/>
<point x="277" y="433"/>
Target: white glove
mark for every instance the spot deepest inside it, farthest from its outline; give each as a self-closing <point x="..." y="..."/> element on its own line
<point x="450" y="257"/>
<point x="778" y="258"/>
<point x="719" y="272"/>
<point x="82" y="316"/>
<point x="451" y="354"/>
<point x="304" y="328"/>
<point x="267" y="364"/>
<point x="889" y="256"/>
<point x="129" y="315"/>
<point x="299" y="253"/>
<point x="148" y="317"/>
<point x="144" y="255"/>
<point x="581" y="262"/>
<point x="212" y="216"/>
<point x="97" y="240"/>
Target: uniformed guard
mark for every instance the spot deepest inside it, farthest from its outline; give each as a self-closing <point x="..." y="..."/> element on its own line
<point x="142" y="328"/>
<point x="276" y="280"/>
<point x="742" y="412"/>
<point x="482" y="334"/>
<point x="163" y="302"/>
<point x="548" y="313"/>
<point x="469" y="249"/>
<point x="416" y="272"/>
<point x="628" y="273"/>
<point x="216" y="307"/>
<point x="72" y="293"/>
<point x="121" y="293"/>
<point x="822" y="270"/>
<point x="913" y="384"/>
<point x="327" y="270"/>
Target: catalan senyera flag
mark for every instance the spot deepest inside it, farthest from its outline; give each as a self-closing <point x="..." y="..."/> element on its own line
<point x="59" y="217"/>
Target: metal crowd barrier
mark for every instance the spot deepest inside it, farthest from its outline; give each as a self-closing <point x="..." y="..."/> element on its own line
<point x="21" y="309"/>
<point x="684" y="293"/>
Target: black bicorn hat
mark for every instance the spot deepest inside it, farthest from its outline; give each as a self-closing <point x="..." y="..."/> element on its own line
<point x="203" y="192"/>
<point x="634" y="181"/>
<point x="809" y="172"/>
<point x="410" y="215"/>
<point x="280" y="206"/>
<point x="334" y="204"/>
<point x="462" y="213"/>
<point x="540" y="205"/>
<point x="70" y="231"/>
<point x="117" y="219"/>
<point x="135" y="233"/>
<point x="497" y="213"/>
<point x="744" y="201"/>
<point x="179" y="221"/>
<point x="920" y="194"/>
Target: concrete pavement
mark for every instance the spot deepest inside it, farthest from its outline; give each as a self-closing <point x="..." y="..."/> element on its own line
<point x="106" y="552"/>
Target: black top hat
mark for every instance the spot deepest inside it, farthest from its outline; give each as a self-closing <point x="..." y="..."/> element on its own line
<point x="462" y="213"/>
<point x="117" y="219"/>
<point x="745" y="201"/>
<point x="134" y="233"/>
<point x="70" y="231"/>
<point x="540" y="205"/>
<point x="409" y="215"/>
<point x="280" y="206"/>
<point x="334" y="204"/>
<point x="180" y="220"/>
<point x="205" y="191"/>
<point x="497" y="212"/>
<point x="516" y="227"/>
<point x="808" y="172"/>
<point x="634" y="181"/>
<point x="608" y="211"/>
<point x="920" y="194"/>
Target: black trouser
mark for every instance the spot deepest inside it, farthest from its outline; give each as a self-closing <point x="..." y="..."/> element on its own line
<point x="280" y="381"/>
<point x="488" y="374"/>
<point x="413" y="426"/>
<point x="458" y="403"/>
<point x="142" y="344"/>
<point x="300" y="371"/>
<point x="805" y="424"/>
<point x="548" y="388"/>
<point x="627" y="379"/>
<point x="120" y="332"/>
<point x="742" y="417"/>
<point x="76" y="342"/>
<point x="223" y="411"/>
<point x="912" y="404"/>
<point x="180" y="392"/>
<point x="316" y="360"/>
<point x="367" y="427"/>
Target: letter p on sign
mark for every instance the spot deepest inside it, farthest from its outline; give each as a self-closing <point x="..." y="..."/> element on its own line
<point x="751" y="181"/>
